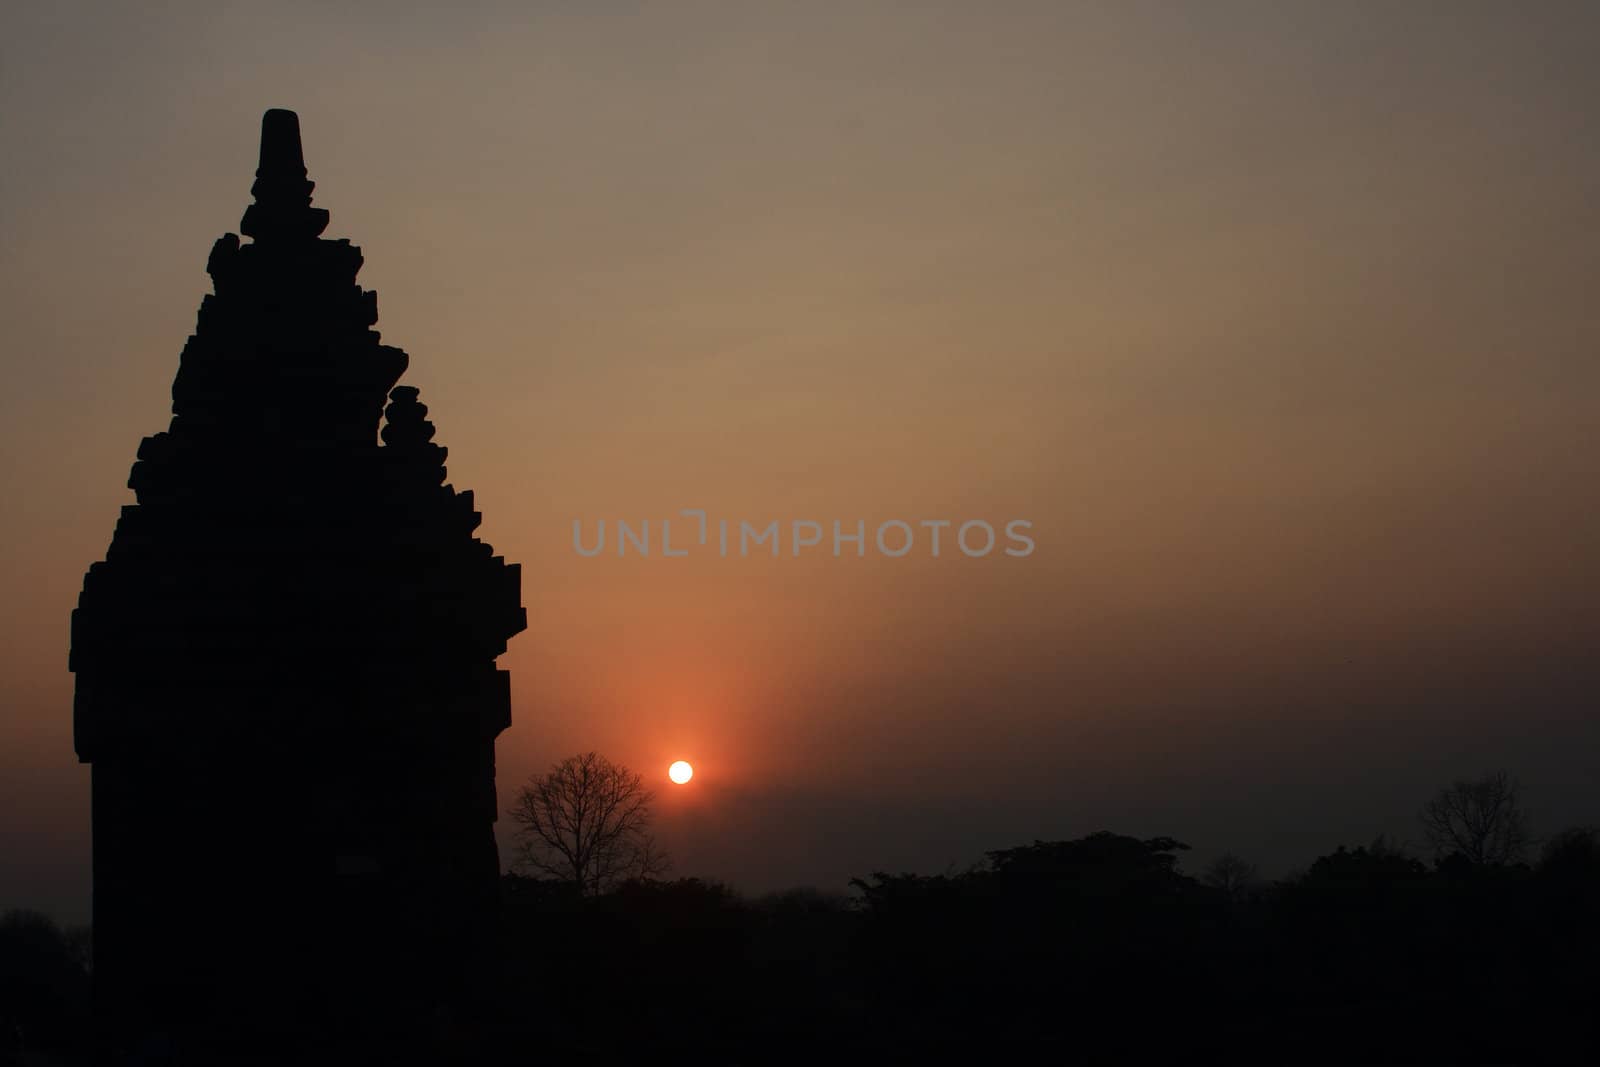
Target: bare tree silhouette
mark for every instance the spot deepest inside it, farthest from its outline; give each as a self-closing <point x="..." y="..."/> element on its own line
<point x="587" y="821"/>
<point x="1481" y="819"/>
<point x="1232" y="875"/>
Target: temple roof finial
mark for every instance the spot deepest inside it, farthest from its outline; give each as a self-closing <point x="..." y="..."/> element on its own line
<point x="280" y="144"/>
<point x="283" y="195"/>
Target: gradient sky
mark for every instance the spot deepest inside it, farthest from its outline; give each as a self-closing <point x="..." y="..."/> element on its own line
<point x="1276" y="319"/>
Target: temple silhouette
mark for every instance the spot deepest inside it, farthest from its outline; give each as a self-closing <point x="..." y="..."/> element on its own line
<point x="286" y="681"/>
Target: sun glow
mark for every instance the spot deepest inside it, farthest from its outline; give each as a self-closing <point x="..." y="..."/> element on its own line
<point x="680" y="772"/>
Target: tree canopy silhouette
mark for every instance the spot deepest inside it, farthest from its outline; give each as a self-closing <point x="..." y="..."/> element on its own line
<point x="587" y="822"/>
<point x="1481" y="820"/>
<point x="1232" y="876"/>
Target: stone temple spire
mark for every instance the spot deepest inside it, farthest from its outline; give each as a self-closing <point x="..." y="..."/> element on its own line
<point x="286" y="679"/>
<point x="283" y="351"/>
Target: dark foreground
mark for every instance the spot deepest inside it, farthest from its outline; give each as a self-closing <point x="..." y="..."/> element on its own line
<point x="1091" y="950"/>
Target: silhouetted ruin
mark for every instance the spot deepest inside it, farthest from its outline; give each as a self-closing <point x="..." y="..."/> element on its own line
<point x="286" y="679"/>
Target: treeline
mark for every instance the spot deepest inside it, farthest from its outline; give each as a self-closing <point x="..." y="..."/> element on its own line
<point x="44" y="990"/>
<point x="1093" y="949"/>
<point x="1090" y="950"/>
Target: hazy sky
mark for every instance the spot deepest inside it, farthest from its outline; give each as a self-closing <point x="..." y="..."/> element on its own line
<point x="1276" y="320"/>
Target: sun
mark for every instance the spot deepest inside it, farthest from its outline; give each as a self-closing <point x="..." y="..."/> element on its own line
<point x="680" y="772"/>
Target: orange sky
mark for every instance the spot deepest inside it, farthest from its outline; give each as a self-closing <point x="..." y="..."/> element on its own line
<point x="1274" y="319"/>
